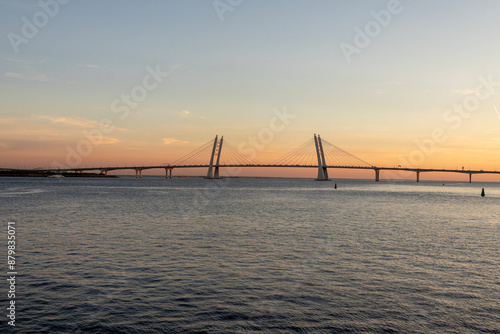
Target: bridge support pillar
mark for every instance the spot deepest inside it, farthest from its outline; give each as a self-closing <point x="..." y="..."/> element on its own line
<point x="104" y="172"/>
<point x="470" y="177"/>
<point x="210" y="173"/>
<point x="167" y="170"/>
<point x="138" y="173"/>
<point x="323" y="161"/>
<point x="216" y="171"/>
<point x="377" y="175"/>
<point x="322" y="171"/>
<point x="418" y="176"/>
<point x="213" y="170"/>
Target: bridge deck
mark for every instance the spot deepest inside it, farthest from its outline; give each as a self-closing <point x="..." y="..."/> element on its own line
<point x="410" y="169"/>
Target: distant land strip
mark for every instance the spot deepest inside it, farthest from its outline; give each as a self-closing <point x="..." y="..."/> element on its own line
<point x="41" y="173"/>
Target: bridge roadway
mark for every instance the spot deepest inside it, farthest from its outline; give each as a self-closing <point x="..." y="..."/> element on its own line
<point x="169" y="168"/>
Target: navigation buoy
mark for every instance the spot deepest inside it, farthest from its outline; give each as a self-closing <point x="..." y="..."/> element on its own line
<point x="482" y="193"/>
<point x="335" y="186"/>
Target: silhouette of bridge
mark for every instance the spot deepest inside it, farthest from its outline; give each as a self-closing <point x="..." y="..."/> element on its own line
<point x="315" y="153"/>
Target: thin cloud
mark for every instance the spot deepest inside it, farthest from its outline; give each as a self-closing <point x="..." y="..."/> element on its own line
<point x="48" y="131"/>
<point x="73" y="121"/>
<point x="33" y="76"/>
<point x="89" y="66"/>
<point x="184" y="113"/>
<point x="175" y="67"/>
<point x="107" y="140"/>
<point x="8" y="120"/>
<point x="168" y="141"/>
<point x="25" y="62"/>
<point x="463" y="91"/>
<point x="188" y="114"/>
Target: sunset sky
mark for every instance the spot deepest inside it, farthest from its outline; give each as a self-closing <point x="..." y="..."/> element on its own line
<point x="411" y="83"/>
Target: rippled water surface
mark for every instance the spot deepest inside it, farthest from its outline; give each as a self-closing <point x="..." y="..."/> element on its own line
<point x="153" y="255"/>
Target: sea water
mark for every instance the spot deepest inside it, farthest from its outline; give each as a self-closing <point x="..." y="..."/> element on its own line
<point x="243" y="255"/>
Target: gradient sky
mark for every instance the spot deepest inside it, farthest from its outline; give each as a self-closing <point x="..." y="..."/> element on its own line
<point x="226" y="76"/>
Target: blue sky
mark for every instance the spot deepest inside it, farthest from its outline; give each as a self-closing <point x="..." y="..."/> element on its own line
<point x="226" y="76"/>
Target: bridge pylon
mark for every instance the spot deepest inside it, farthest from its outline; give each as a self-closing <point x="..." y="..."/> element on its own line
<point x="210" y="173"/>
<point x="322" y="171"/>
<point x="216" y="171"/>
<point x="213" y="170"/>
<point x="323" y="161"/>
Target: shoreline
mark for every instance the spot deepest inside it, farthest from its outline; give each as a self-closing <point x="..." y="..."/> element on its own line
<point x="35" y="173"/>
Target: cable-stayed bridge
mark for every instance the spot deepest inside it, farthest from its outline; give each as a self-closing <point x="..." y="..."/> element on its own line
<point x="315" y="153"/>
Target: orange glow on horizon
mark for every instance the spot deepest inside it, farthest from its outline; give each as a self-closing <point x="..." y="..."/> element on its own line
<point x="113" y="155"/>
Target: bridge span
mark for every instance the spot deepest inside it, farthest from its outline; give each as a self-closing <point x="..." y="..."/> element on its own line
<point x="313" y="154"/>
<point x="170" y="168"/>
